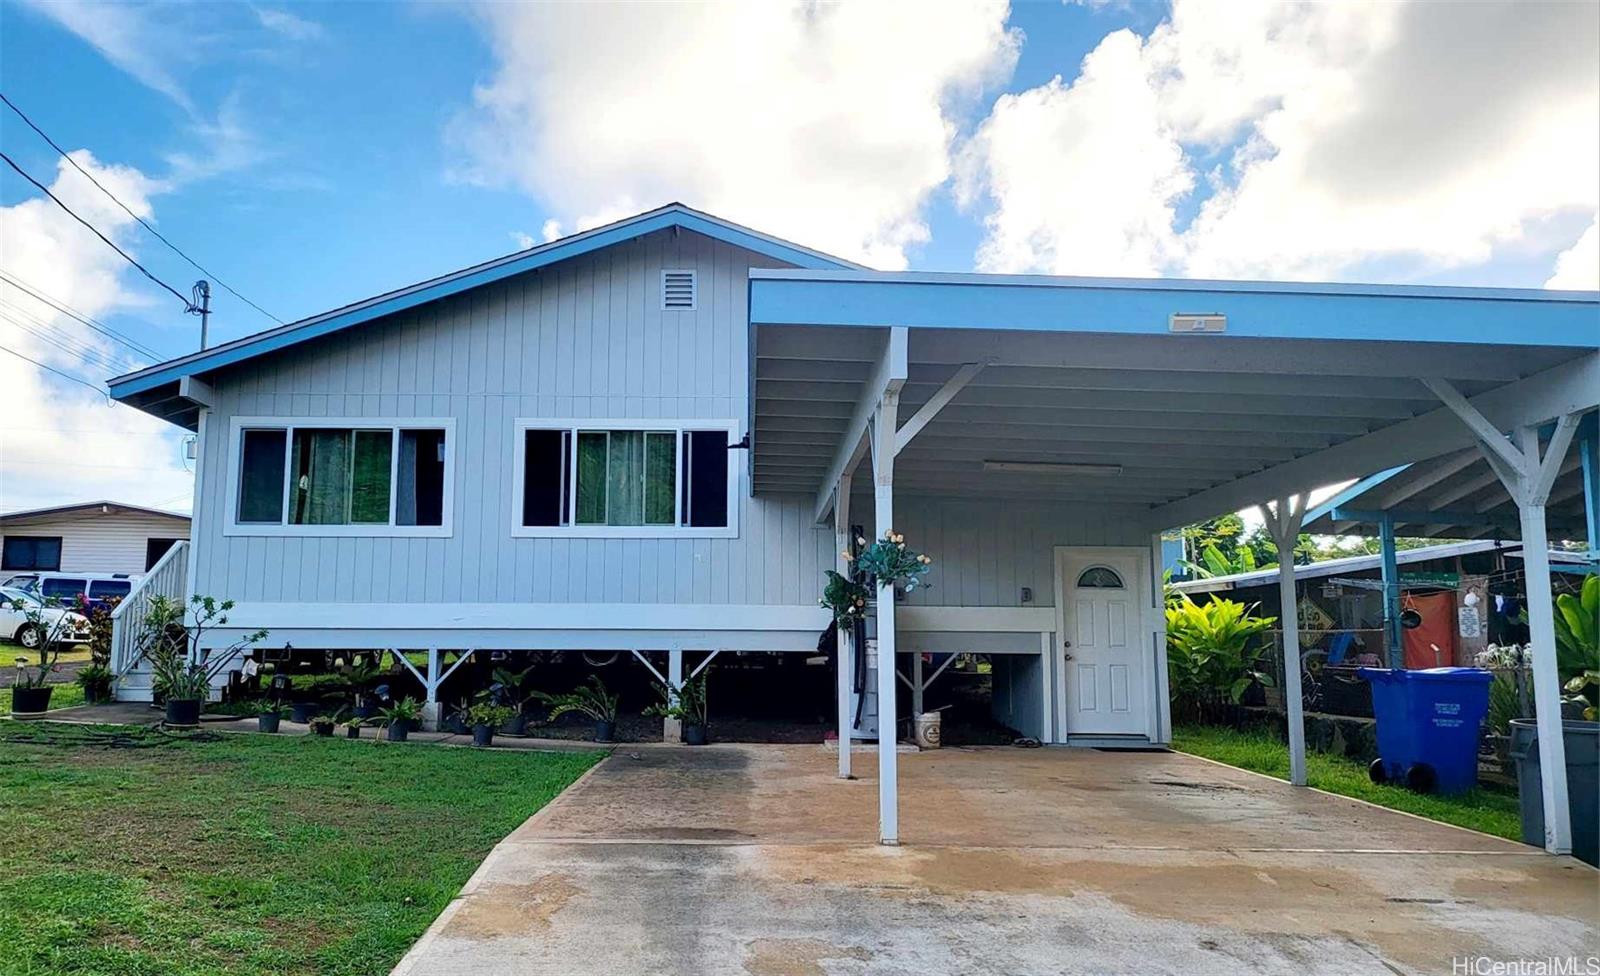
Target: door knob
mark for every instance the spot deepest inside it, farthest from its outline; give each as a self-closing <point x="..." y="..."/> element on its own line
<point x="1066" y="643"/>
<point x="1067" y="656"/>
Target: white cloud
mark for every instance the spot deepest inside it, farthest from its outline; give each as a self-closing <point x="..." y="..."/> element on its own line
<point x="1387" y="141"/>
<point x="291" y="26"/>
<point x="551" y="230"/>
<point x="127" y="38"/>
<point x="62" y="443"/>
<point x="828" y="124"/>
<point x="524" y="241"/>
<point x="1578" y="267"/>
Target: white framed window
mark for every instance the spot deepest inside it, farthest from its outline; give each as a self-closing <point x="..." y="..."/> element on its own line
<point x="625" y="479"/>
<point x="340" y="476"/>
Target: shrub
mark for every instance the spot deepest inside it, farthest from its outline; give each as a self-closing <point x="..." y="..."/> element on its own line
<point x="1210" y="663"/>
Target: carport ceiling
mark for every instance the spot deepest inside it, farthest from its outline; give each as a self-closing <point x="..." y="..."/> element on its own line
<point x="1171" y="416"/>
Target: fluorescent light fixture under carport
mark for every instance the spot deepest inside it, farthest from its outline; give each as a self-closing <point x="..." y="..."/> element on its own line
<point x="1046" y="467"/>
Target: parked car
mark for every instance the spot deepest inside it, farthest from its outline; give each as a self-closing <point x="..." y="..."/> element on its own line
<point x="15" y="625"/>
<point x="96" y="588"/>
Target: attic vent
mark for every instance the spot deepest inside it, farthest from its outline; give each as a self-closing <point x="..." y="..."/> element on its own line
<point x="677" y="290"/>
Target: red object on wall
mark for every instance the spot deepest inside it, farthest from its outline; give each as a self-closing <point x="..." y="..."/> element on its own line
<point x="1438" y="628"/>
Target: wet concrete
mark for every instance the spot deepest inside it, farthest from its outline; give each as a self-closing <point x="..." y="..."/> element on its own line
<point x="757" y="860"/>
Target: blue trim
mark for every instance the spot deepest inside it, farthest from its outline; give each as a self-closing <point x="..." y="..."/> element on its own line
<point x="1514" y="317"/>
<point x="1351" y="493"/>
<point x="673" y="215"/>
<point x="1589" y="453"/>
<point x="1389" y="572"/>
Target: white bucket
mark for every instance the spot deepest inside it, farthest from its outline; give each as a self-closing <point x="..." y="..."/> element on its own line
<point x="928" y="734"/>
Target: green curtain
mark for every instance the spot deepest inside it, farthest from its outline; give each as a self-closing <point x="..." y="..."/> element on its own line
<point x="660" y="477"/>
<point x="625" y="478"/>
<point x="591" y="487"/>
<point x="321" y="463"/>
<point x="369" y="479"/>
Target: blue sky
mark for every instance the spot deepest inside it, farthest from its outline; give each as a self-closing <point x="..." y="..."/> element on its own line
<point x="314" y="154"/>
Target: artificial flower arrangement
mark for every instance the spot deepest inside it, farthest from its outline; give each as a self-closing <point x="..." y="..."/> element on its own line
<point x="846" y="598"/>
<point x="890" y="562"/>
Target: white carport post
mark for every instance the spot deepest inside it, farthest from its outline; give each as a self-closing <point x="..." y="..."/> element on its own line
<point x="1528" y="478"/>
<point x="883" y="451"/>
<point x="1284" y="526"/>
<point x="846" y="634"/>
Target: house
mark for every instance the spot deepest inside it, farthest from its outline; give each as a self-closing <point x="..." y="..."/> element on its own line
<point x="93" y="537"/>
<point x="656" y="436"/>
<point x="1465" y="595"/>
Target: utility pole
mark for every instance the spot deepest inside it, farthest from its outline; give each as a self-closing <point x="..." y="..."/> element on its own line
<point x="202" y="308"/>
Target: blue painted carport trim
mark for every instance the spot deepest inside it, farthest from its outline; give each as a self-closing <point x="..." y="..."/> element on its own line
<point x="672" y="215"/>
<point x="1134" y="306"/>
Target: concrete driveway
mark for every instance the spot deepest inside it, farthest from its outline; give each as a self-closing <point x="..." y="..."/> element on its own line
<point x="757" y="860"/>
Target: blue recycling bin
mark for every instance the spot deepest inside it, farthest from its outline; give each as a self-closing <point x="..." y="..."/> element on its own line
<point x="1428" y="726"/>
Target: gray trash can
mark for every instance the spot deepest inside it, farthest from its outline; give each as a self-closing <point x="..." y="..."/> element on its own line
<point x="1582" y="741"/>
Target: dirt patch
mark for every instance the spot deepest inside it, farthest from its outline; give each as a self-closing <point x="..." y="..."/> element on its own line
<point x="797" y="957"/>
<point x="499" y="911"/>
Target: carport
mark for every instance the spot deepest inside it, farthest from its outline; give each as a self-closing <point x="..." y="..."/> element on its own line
<point x="1141" y="405"/>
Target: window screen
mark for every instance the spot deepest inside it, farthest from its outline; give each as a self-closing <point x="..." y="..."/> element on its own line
<point x="706" y="477"/>
<point x="261" y="476"/>
<point x="547" y="459"/>
<point x="420" y="474"/>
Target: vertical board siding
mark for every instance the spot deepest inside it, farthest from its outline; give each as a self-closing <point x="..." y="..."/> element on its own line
<point x="586" y="338"/>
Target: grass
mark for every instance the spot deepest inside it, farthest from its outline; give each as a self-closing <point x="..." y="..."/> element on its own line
<point x="135" y="852"/>
<point x="64" y="696"/>
<point x="1491" y="811"/>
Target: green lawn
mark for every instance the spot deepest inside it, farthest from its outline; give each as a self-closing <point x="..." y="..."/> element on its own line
<point x="1492" y="811"/>
<point x="64" y="696"/>
<point x="134" y="852"/>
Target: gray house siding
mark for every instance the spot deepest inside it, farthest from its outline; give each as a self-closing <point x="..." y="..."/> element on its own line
<point x="585" y="338"/>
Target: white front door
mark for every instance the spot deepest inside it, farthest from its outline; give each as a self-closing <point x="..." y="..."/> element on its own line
<point x="1102" y="641"/>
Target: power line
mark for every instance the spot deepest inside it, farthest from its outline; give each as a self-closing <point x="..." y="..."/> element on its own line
<point x="187" y="305"/>
<point x="89" y="358"/>
<point x="52" y="369"/>
<point x="71" y="313"/>
<point x="84" y="346"/>
<point x="10" y="104"/>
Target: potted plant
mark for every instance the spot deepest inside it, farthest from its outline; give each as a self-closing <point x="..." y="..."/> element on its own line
<point x="323" y="724"/>
<point x="30" y="693"/>
<point x="352" y="726"/>
<point x="484" y="717"/>
<point x="303" y="712"/>
<point x="456" y="721"/>
<point x="268" y="715"/>
<point x="397" y="718"/>
<point x="172" y="639"/>
<point x="96" y="684"/>
<point x="505" y="688"/>
<point x="591" y="699"/>
<point x="687" y="705"/>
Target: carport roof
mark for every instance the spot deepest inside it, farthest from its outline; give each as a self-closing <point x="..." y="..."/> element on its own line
<point x="1453" y="496"/>
<point x="1308" y="384"/>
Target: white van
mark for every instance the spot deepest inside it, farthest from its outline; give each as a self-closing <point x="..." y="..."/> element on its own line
<point x="66" y="587"/>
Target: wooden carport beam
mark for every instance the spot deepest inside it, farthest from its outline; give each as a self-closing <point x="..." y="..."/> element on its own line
<point x="887" y="377"/>
<point x="935" y="403"/>
<point x="1529" y="478"/>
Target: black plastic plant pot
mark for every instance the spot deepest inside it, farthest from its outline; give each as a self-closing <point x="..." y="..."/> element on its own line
<point x="396" y="732"/>
<point x="302" y="712"/>
<point x="30" y="701"/>
<point x="94" y="695"/>
<point x="268" y="722"/>
<point x="456" y="724"/>
<point x="183" y="713"/>
<point x="605" y="731"/>
<point x="352" y="731"/>
<point x="324" y="729"/>
<point x="694" y="735"/>
<point x="515" y="725"/>
<point x="483" y="735"/>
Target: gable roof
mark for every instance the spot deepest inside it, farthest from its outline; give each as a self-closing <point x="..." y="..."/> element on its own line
<point x="673" y="215"/>
<point x="100" y="507"/>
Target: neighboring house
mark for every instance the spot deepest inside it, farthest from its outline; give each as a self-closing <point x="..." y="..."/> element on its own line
<point x="642" y="438"/>
<point x="93" y="537"/>
<point x="1345" y="596"/>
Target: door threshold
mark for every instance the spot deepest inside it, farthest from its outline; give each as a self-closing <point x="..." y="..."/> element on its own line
<point x="1114" y="742"/>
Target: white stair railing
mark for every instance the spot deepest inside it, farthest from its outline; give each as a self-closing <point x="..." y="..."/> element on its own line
<point x="168" y="578"/>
